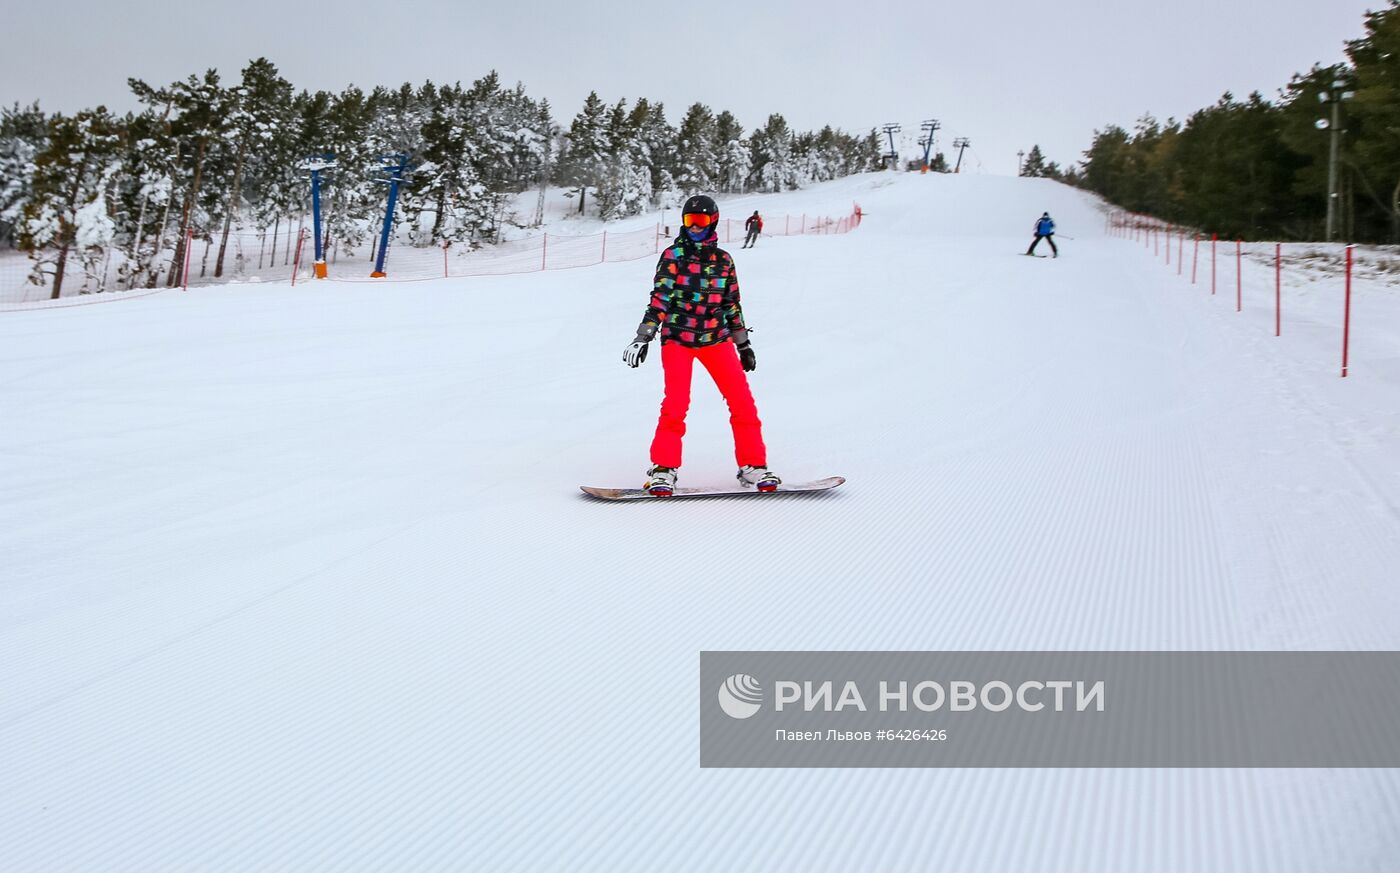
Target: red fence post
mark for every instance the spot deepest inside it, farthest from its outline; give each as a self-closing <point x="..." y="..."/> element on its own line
<point x="1278" y="289"/>
<point x="544" y="251"/>
<point x="1168" y="246"/>
<point x="1346" y="317"/>
<point x="1180" y="250"/>
<point x="1195" y="257"/>
<point x="1239" y="280"/>
<point x="658" y="236"/>
<point x="445" y="244"/>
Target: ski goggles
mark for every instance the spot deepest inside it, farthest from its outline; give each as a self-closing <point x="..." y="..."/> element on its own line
<point x="698" y="219"/>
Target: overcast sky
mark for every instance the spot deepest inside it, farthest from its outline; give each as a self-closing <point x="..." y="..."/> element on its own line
<point x="1004" y="74"/>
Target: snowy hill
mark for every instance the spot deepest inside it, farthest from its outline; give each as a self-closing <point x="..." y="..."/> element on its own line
<point x="302" y="579"/>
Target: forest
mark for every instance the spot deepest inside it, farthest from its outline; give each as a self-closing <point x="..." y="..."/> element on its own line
<point x="1259" y="169"/>
<point x="115" y="197"/>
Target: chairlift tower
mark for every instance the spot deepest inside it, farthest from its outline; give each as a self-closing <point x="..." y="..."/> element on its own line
<point x="960" y="144"/>
<point x="930" y="129"/>
<point x="393" y="166"/>
<point x="314" y="165"/>
<point x="890" y="131"/>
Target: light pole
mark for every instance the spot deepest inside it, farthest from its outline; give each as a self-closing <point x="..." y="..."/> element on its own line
<point x="1335" y="96"/>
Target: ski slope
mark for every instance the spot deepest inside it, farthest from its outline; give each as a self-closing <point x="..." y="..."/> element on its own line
<point x="302" y="579"/>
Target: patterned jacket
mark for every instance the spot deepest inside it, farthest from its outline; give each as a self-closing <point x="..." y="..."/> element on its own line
<point x="695" y="296"/>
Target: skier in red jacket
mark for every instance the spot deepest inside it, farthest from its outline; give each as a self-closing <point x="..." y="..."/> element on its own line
<point x="695" y="307"/>
<point x="754" y="226"/>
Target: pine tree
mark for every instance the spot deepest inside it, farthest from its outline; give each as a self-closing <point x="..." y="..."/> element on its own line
<point x="586" y="148"/>
<point x="1373" y="115"/>
<point x="199" y="116"/>
<point x="657" y="148"/>
<point x="148" y="172"/>
<point x="259" y="111"/>
<point x="23" y="135"/>
<point x="1034" y="165"/>
<point x="732" y="153"/>
<point x="874" y="152"/>
<point x="697" y="146"/>
<point x="772" y="148"/>
<point x="624" y="186"/>
<point x="67" y="207"/>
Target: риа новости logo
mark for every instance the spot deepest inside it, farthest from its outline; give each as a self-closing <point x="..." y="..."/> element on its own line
<point x="740" y="696"/>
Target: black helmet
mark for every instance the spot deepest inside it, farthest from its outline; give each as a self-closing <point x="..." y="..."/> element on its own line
<point x="702" y="204"/>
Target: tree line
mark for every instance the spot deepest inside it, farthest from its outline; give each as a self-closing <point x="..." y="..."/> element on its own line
<point x="1257" y="168"/>
<point x="112" y="196"/>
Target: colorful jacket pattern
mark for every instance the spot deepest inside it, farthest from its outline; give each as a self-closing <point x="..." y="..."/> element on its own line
<point x="695" y="295"/>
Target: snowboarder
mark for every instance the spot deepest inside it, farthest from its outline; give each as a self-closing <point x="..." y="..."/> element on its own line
<point x="754" y="226"/>
<point x="695" y="308"/>
<point x="1044" y="229"/>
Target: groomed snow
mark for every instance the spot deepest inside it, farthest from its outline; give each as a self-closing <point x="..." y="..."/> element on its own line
<point x="302" y="579"/>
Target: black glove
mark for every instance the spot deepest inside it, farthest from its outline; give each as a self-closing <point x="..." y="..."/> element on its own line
<point x="746" y="358"/>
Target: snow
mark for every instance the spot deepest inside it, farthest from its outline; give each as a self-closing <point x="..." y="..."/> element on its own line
<point x="302" y="579"/>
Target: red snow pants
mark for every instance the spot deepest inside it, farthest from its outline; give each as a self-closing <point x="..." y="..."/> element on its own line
<point x="722" y="362"/>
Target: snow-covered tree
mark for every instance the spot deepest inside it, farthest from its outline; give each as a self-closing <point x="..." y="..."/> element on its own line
<point x="698" y="150"/>
<point x="624" y="186"/>
<point x="774" y="168"/>
<point x="199" y="115"/>
<point x="655" y="145"/>
<point x="735" y="161"/>
<point x="67" y="208"/>
<point x="259" y="113"/>
<point x="23" y="134"/>
<point x="585" y="148"/>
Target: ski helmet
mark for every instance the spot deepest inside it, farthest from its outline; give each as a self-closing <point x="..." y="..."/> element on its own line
<point x="702" y="204"/>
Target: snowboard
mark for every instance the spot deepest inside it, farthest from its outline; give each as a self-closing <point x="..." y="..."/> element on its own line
<point x="721" y="491"/>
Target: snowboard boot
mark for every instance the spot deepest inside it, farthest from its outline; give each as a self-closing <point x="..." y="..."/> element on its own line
<point x="661" y="481"/>
<point x="760" y="477"/>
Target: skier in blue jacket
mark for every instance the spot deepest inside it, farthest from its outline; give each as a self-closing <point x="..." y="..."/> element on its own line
<point x="1044" y="229"/>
